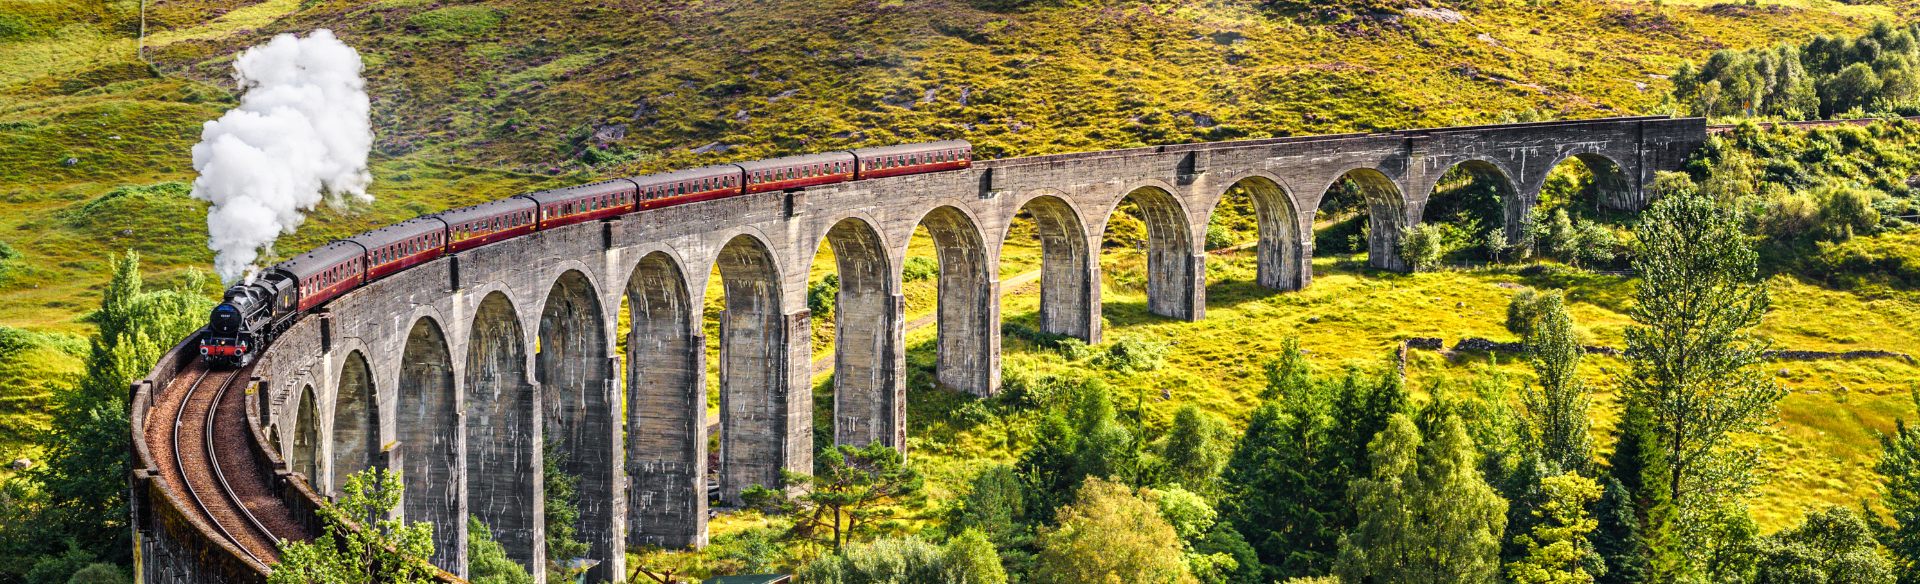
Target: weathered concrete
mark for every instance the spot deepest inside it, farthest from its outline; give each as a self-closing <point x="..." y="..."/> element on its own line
<point x="476" y="361"/>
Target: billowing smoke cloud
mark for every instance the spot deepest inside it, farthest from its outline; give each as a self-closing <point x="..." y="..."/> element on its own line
<point x="299" y="136"/>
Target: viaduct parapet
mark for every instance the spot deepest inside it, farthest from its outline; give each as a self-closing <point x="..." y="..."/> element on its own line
<point x="457" y="372"/>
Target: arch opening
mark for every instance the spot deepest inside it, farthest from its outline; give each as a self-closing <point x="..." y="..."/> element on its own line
<point x="428" y="452"/>
<point x="1258" y="209"/>
<point x="765" y="422"/>
<point x="1588" y="184"/>
<point x="1069" y="296"/>
<point x="1478" y="211"/>
<point x="570" y="361"/>
<point x="666" y="409"/>
<point x="356" y="424"/>
<point x="857" y="313"/>
<point x="967" y="307"/>
<point x="1150" y="220"/>
<point x="502" y="482"/>
<point x="306" y="436"/>
<point x="1378" y="235"/>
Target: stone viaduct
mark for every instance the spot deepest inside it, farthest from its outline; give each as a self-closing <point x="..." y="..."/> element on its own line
<point x="457" y="372"/>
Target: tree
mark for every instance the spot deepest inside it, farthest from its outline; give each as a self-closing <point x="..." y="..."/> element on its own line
<point x="1556" y="411"/>
<point x="1423" y="246"/>
<point x="1899" y="465"/>
<point x="1557" y="548"/>
<point x="1426" y="515"/>
<point x="562" y="517"/>
<point x="352" y="551"/>
<point x="1832" y="546"/>
<point x="852" y="488"/>
<point x="1084" y="438"/>
<point x="1527" y="306"/>
<point x="995" y="505"/>
<point x="1109" y="534"/>
<point x="1197" y="447"/>
<point x="966" y="559"/>
<point x="1694" y="358"/>
<point x="77" y="498"/>
<point x="1617" y="538"/>
<point x="487" y="561"/>
<point x="1285" y="487"/>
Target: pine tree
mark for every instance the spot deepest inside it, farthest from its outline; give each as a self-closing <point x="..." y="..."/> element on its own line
<point x="1899" y="466"/>
<point x="1616" y="537"/>
<point x="1426" y="515"/>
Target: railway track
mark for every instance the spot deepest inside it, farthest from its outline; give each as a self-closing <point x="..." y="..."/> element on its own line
<point x="206" y="456"/>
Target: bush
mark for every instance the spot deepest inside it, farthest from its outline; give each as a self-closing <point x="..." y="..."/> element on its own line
<point x="822" y="294"/>
<point x="1423" y="246"/>
<point x="920" y="268"/>
<point x="1219" y="237"/>
<point x="1132" y="353"/>
<point x="1526" y="308"/>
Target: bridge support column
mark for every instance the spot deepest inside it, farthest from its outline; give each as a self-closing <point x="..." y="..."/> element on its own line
<point x="869" y="389"/>
<point x="1070" y="297"/>
<point x="766" y="416"/>
<point x="667" y="443"/>
<point x="1178" y="288"/>
<point x="969" y="343"/>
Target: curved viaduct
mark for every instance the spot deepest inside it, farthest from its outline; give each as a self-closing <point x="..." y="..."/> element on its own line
<point x="457" y="372"/>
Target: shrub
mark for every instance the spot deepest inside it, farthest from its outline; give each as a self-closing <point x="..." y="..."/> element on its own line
<point x="920" y="268"/>
<point x="1219" y="237"/>
<point x="1526" y="308"/>
<point x="1423" y="246"/>
<point x="822" y="294"/>
<point x="1132" y="353"/>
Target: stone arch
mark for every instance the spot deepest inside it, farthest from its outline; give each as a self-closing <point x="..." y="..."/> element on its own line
<point x="1386" y="216"/>
<point x="305" y="458"/>
<point x="765" y="422"/>
<point x="869" y="391"/>
<point x="666" y="408"/>
<point x="1069" y="272"/>
<point x="503" y="481"/>
<point x="580" y="422"/>
<point x="1513" y="208"/>
<point x="1284" y="256"/>
<point x="1174" y="281"/>
<point x="968" y="338"/>
<point x="356" y="421"/>
<point x="1613" y="189"/>
<point x="427" y="430"/>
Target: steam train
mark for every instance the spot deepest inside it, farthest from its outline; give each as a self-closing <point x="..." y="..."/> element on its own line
<point x="253" y="313"/>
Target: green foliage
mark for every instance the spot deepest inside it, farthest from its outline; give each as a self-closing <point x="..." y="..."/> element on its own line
<point x="1196" y="449"/>
<point x="487" y="561"/>
<point x="562" y="516"/>
<point x="1426" y="515"/>
<point x="1556" y="417"/>
<point x="1529" y="306"/>
<point x="1557" y="548"/>
<point x="1286" y="485"/>
<point x="970" y="559"/>
<point x="884" y="561"/>
<point x="1133" y="353"/>
<point x="77" y="498"/>
<point x="1081" y="438"/>
<point x="919" y="269"/>
<point x="1694" y="356"/>
<point x="1833" y="546"/>
<point x="1878" y="71"/>
<point x="823" y="295"/>
<point x="1111" y="534"/>
<point x="994" y="505"/>
<point x="851" y="489"/>
<point x="1899" y="467"/>
<point x="1423" y="245"/>
<point x="352" y="551"/>
<point x="1616" y="538"/>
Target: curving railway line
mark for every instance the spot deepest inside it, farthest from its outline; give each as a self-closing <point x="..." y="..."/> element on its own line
<point x="205" y="454"/>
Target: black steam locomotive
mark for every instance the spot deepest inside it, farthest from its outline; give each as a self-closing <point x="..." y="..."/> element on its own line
<point x="253" y="313"/>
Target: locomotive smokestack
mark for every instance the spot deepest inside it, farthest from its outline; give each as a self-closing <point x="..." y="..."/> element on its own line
<point x="300" y="136"/>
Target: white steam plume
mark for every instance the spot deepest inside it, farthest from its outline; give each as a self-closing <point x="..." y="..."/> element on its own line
<point x="300" y="136"/>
